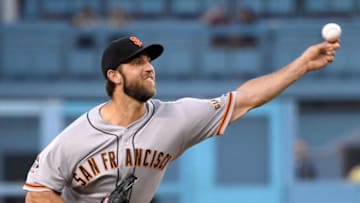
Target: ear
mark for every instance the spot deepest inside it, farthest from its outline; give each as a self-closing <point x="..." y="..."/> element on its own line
<point x="114" y="76"/>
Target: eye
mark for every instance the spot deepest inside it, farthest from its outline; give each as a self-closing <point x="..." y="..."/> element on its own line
<point x="138" y="61"/>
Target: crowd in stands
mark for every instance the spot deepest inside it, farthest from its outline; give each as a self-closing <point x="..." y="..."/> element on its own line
<point x="214" y="12"/>
<point x="220" y="14"/>
<point x="88" y="17"/>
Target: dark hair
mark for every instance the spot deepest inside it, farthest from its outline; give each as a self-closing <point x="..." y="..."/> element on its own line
<point x="110" y="86"/>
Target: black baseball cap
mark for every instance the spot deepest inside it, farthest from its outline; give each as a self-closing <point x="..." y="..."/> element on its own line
<point x="124" y="49"/>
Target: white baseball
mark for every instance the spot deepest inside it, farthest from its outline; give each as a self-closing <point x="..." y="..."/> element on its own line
<point x="331" y="32"/>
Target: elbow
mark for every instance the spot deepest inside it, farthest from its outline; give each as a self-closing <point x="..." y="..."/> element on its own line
<point x="257" y="103"/>
<point x="245" y="103"/>
<point x="254" y="100"/>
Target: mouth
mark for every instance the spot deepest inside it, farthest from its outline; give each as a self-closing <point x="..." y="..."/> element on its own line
<point x="150" y="78"/>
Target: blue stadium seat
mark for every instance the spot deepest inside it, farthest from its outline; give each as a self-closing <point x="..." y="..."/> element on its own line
<point x="32" y="50"/>
<point x="60" y="9"/>
<point x="256" y="5"/>
<point x="31" y="9"/>
<point x="83" y="55"/>
<point x="325" y="6"/>
<point x="317" y="6"/>
<point x="55" y="8"/>
<point x="213" y="61"/>
<point x="83" y="63"/>
<point x="76" y="5"/>
<point x="176" y="63"/>
<point x="180" y="52"/>
<point x="207" y="4"/>
<point x="187" y="7"/>
<point x="281" y="6"/>
<point x="153" y="7"/>
<point x="347" y="6"/>
<point x="127" y="5"/>
<point x="245" y="62"/>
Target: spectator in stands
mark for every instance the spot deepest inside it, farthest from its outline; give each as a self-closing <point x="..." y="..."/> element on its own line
<point x="351" y="159"/>
<point x="245" y="15"/>
<point x="85" y="18"/>
<point x="216" y="15"/>
<point x="305" y="169"/>
<point x="300" y="7"/>
<point x="118" y="17"/>
<point x="354" y="174"/>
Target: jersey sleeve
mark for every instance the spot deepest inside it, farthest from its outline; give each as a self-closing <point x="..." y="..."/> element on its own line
<point x="203" y="118"/>
<point x="48" y="173"/>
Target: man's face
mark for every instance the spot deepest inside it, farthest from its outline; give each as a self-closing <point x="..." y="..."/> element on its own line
<point x="139" y="78"/>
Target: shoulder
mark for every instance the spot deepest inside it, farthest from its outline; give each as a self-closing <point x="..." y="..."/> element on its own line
<point x="185" y="100"/>
<point x="82" y="124"/>
<point x="179" y="103"/>
<point x="214" y="102"/>
<point x="73" y="134"/>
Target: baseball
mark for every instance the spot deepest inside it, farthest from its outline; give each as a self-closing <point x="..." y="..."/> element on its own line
<point x="331" y="32"/>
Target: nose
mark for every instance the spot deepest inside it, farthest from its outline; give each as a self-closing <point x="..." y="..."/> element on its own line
<point x="149" y="67"/>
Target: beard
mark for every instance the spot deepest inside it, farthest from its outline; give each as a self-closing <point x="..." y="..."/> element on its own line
<point x="137" y="91"/>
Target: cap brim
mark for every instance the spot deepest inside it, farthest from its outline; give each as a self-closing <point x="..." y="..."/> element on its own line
<point x="153" y="51"/>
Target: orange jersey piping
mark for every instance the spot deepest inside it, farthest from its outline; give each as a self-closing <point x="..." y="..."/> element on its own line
<point x="220" y="129"/>
<point x="36" y="187"/>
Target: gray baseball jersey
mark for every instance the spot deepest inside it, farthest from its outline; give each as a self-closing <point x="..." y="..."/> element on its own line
<point x="84" y="162"/>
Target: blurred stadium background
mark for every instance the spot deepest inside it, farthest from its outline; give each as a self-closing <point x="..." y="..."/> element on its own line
<point x="50" y="74"/>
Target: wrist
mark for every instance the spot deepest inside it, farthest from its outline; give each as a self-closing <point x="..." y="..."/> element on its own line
<point x="302" y="66"/>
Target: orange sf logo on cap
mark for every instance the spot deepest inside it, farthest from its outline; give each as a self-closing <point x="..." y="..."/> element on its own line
<point x="136" y="41"/>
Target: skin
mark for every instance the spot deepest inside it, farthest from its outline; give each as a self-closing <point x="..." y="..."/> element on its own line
<point x="43" y="197"/>
<point x="123" y="109"/>
<point x="137" y="77"/>
<point x="261" y="90"/>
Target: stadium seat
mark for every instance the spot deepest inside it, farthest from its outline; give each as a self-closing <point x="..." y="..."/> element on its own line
<point x="83" y="55"/>
<point x="256" y="5"/>
<point x="152" y="8"/>
<point x="212" y="62"/>
<point x="35" y="51"/>
<point x="189" y="7"/>
<point x="246" y="62"/>
<point x="281" y="7"/>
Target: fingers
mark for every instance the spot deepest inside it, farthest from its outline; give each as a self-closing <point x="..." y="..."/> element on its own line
<point x="324" y="51"/>
<point x="330" y="59"/>
<point x="327" y="46"/>
<point x="331" y="45"/>
<point x="329" y="50"/>
<point x="330" y="55"/>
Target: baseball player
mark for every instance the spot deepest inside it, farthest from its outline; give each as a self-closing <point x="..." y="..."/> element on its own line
<point x="120" y="149"/>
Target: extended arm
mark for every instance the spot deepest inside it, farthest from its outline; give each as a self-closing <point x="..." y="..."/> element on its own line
<point x="43" y="197"/>
<point x="259" y="91"/>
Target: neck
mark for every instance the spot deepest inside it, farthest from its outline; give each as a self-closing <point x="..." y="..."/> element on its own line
<point x="123" y="112"/>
